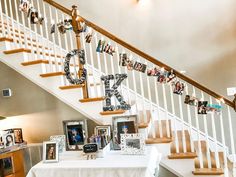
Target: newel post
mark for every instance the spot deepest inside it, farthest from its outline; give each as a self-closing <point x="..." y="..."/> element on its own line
<point x="77" y="29"/>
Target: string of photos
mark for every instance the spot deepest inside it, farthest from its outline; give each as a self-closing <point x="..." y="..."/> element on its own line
<point x="103" y="46"/>
<point x="27" y="8"/>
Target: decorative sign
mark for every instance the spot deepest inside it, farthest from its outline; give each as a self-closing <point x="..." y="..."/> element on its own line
<point x="81" y="55"/>
<point x="109" y="92"/>
<point x="90" y="148"/>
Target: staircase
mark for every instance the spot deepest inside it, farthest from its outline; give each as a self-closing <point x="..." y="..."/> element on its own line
<point x="191" y="144"/>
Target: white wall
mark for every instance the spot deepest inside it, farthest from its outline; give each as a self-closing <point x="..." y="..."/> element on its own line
<point x="33" y="109"/>
<point x="196" y="36"/>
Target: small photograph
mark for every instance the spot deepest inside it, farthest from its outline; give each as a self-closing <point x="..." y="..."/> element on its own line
<point x="61" y="141"/>
<point x="178" y="88"/>
<point x="130" y="65"/>
<point x="193" y="101"/>
<point x="153" y="72"/>
<point x="50" y="151"/>
<point x="68" y="24"/>
<point x="123" y="125"/>
<point x="214" y="109"/>
<point x="100" y="46"/>
<point x="132" y="144"/>
<point x="161" y="79"/>
<point x="104" y="132"/>
<point x="140" y="67"/>
<point x="61" y="28"/>
<point x="1" y="142"/>
<point x="9" y="140"/>
<point x="170" y="76"/>
<point x="123" y="58"/>
<point x="52" y="28"/>
<point x="202" y="107"/>
<point x="35" y="18"/>
<point x="109" y="49"/>
<point x="24" y="6"/>
<point x="88" y="38"/>
<point x="76" y="134"/>
<point x="18" y="135"/>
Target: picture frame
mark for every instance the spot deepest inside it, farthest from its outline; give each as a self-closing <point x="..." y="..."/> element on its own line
<point x="76" y="134"/>
<point x="123" y="124"/>
<point x="133" y="144"/>
<point x="104" y="131"/>
<point x="50" y="152"/>
<point x="9" y="140"/>
<point x="18" y="134"/>
<point x="61" y="140"/>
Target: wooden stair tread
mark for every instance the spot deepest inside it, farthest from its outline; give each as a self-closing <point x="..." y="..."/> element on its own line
<point x="6" y="39"/>
<point x="17" y="51"/>
<point x="186" y="155"/>
<point x="91" y="99"/>
<point x="104" y="113"/>
<point x="60" y="73"/>
<point x="206" y="171"/>
<point x="41" y="61"/>
<point x="142" y="123"/>
<point x="158" y="140"/>
<point x="66" y="87"/>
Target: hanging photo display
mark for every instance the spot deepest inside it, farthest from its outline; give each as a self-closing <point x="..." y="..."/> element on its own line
<point x="88" y="37"/>
<point x="62" y="26"/>
<point x="163" y="76"/>
<point x="202" y="107"/>
<point x="178" y="88"/>
<point x="190" y="100"/>
<point x="140" y="67"/>
<point x="24" y="6"/>
<point x="113" y="91"/>
<point x="103" y="46"/>
<point x="214" y="108"/>
<point x="69" y="77"/>
<point x="35" y="18"/>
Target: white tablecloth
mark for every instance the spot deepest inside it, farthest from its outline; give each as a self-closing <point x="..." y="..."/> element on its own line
<point x="112" y="165"/>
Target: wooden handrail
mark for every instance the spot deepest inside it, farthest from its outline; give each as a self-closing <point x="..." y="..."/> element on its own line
<point x="142" y="54"/>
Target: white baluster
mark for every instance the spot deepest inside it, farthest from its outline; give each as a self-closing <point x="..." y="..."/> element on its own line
<point x="53" y="40"/>
<point x="42" y="41"/>
<point x="198" y="134"/>
<point x="166" y="111"/>
<point x="60" y="46"/>
<point x="206" y="136"/>
<point x="231" y="137"/>
<point x="182" y="123"/>
<point x="52" y="69"/>
<point x="223" y="140"/>
<point x="215" y="138"/>
<point x="158" y="109"/>
<point x="93" y="72"/>
<point x="2" y="21"/>
<point x="190" y="122"/>
<point x="17" y="22"/>
<point x="7" y="20"/>
<point x="175" y="125"/>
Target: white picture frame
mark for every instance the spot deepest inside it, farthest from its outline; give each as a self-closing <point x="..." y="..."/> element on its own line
<point x="9" y="140"/>
<point x="61" y="140"/>
<point x="50" y="152"/>
<point x="132" y="144"/>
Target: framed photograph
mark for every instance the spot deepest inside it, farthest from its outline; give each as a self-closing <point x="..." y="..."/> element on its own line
<point x="61" y="141"/>
<point x="50" y="152"/>
<point x="123" y="125"/>
<point x="202" y="107"/>
<point x="9" y="140"/>
<point x="18" y="135"/>
<point x="133" y="144"/>
<point x="104" y="132"/>
<point x="76" y="134"/>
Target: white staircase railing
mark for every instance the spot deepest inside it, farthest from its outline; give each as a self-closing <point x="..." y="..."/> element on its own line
<point x="217" y="130"/>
